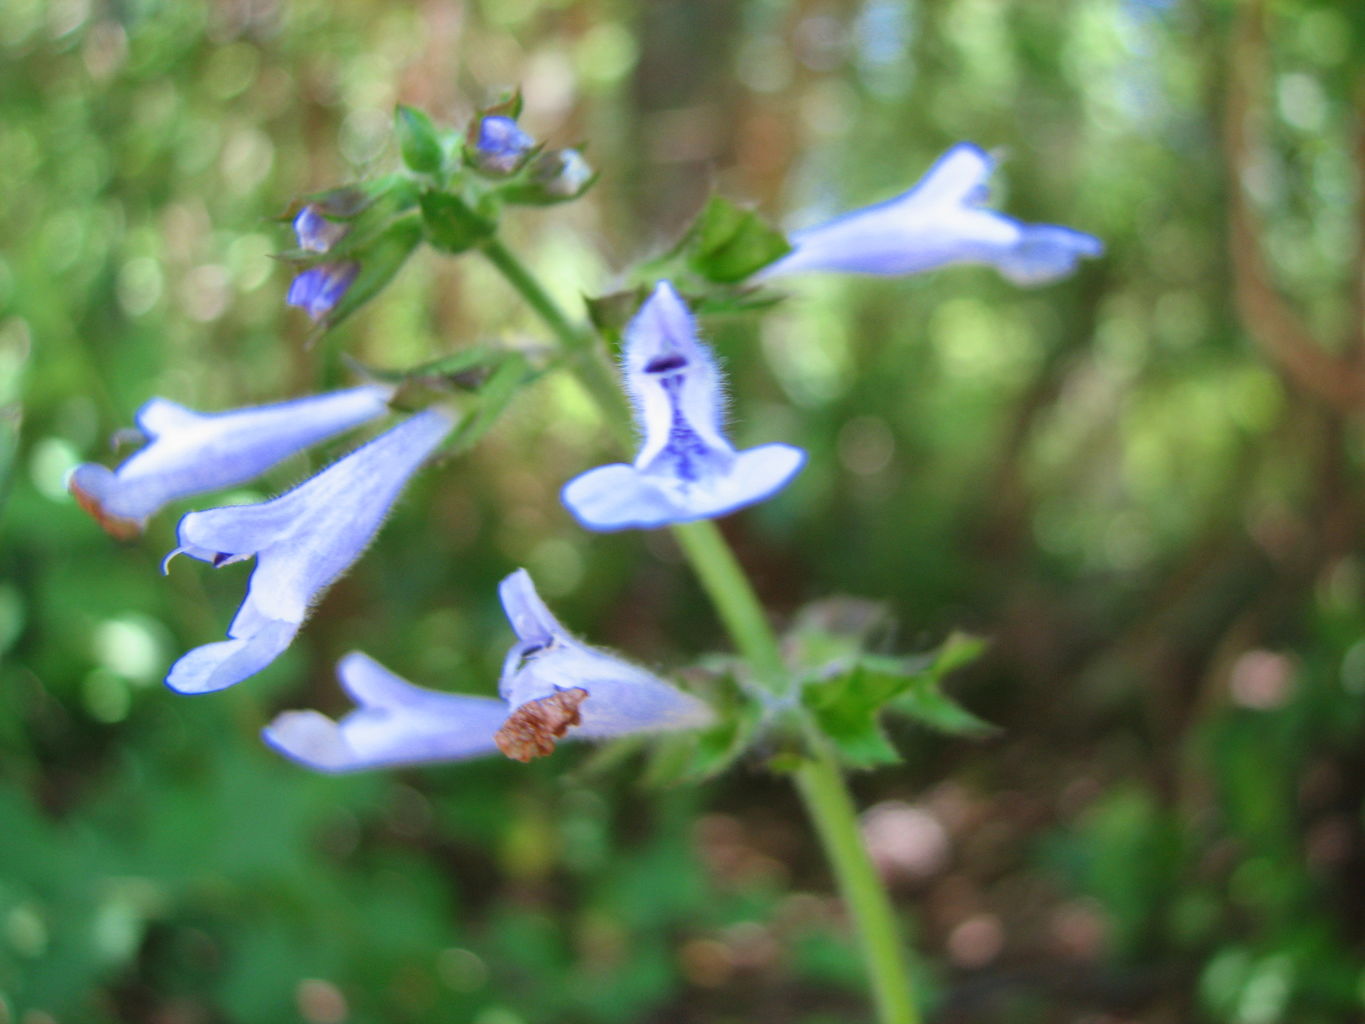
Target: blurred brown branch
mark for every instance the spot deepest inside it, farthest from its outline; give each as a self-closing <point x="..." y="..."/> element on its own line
<point x="1266" y="314"/>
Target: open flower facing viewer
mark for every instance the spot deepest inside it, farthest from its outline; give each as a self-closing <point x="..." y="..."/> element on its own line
<point x="685" y="469"/>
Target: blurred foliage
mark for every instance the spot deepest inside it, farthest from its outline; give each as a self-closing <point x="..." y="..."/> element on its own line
<point x="1156" y="525"/>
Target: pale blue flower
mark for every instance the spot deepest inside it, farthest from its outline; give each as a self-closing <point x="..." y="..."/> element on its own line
<point x="318" y="289"/>
<point x="553" y="686"/>
<point x="501" y="145"/>
<point x="190" y="453"/>
<point x="685" y="469"/>
<point x="939" y="222"/>
<point x="302" y="540"/>
<point x="394" y="723"/>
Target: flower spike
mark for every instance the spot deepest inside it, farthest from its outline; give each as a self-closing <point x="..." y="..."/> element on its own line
<point x="303" y="540"/>
<point x="192" y="453"/>
<point x="553" y="686"/>
<point x="685" y="469"/>
<point x="939" y="222"/>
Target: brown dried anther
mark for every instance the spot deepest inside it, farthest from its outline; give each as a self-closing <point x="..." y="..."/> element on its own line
<point x="531" y="730"/>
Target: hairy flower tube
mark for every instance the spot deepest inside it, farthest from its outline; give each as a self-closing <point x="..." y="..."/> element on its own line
<point x="940" y="221"/>
<point x="553" y="686"/>
<point x="317" y="289"/>
<point x="685" y="468"/>
<point x="190" y="453"/>
<point x="302" y="540"/>
<point x="501" y="145"/>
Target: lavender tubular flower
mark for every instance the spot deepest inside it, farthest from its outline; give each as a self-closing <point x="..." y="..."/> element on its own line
<point x="302" y="541"/>
<point x="685" y="469"/>
<point x="192" y="453"/>
<point x="553" y="686"/>
<point x="394" y="723"/>
<point x="318" y="289"/>
<point x="939" y="222"/>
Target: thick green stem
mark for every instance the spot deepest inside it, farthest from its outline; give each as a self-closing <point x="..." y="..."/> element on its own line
<point x="819" y="780"/>
<point x="830" y="807"/>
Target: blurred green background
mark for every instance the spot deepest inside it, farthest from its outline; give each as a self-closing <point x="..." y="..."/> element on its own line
<point x="1143" y="485"/>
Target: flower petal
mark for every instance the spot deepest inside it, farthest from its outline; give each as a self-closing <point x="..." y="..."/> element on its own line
<point x="1045" y="253"/>
<point x="618" y="497"/>
<point x="219" y="665"/>
<point x="395" y="723"/>
<point x="531" y="619"/>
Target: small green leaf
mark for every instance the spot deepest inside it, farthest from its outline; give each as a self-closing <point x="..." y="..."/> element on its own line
<point x="379" y="261"/>
<point x="847" y="704"/>
<point x="418" y="140"/>
<point x="726" y="243"/>
<point x="451" y="224"/>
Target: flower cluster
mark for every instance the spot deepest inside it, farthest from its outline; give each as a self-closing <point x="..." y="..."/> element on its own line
<point x="552" y="685"/>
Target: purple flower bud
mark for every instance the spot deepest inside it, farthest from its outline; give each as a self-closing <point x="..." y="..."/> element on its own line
<point x="318" y="289"/>
<point x="685" y="469"/>
<point x="315" y="232"/>
<point x="502" y="145"/>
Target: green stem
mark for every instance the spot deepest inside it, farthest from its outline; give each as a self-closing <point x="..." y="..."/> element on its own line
<point x="830" y="807"/>
<point x="592" y="372"/>
<point x="819" y="780"/>
<point x="729" y="589"/>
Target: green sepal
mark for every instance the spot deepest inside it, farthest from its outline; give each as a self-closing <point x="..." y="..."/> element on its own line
<point x="465" y="370"/>
<point x="379" y="262"/>
<point x="507" y="104"/>
<point x="418" y="140"/>
<point x="452" y="225"/>
<point x="727" y="243"/>
<point x="545" y="179"/>
<point x="612" y="312"/>
<point x="503" y="385"/>
<point x="702" y="754"/>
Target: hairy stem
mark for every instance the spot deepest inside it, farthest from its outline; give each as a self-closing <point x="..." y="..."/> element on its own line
<point x="819" y="779"/>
